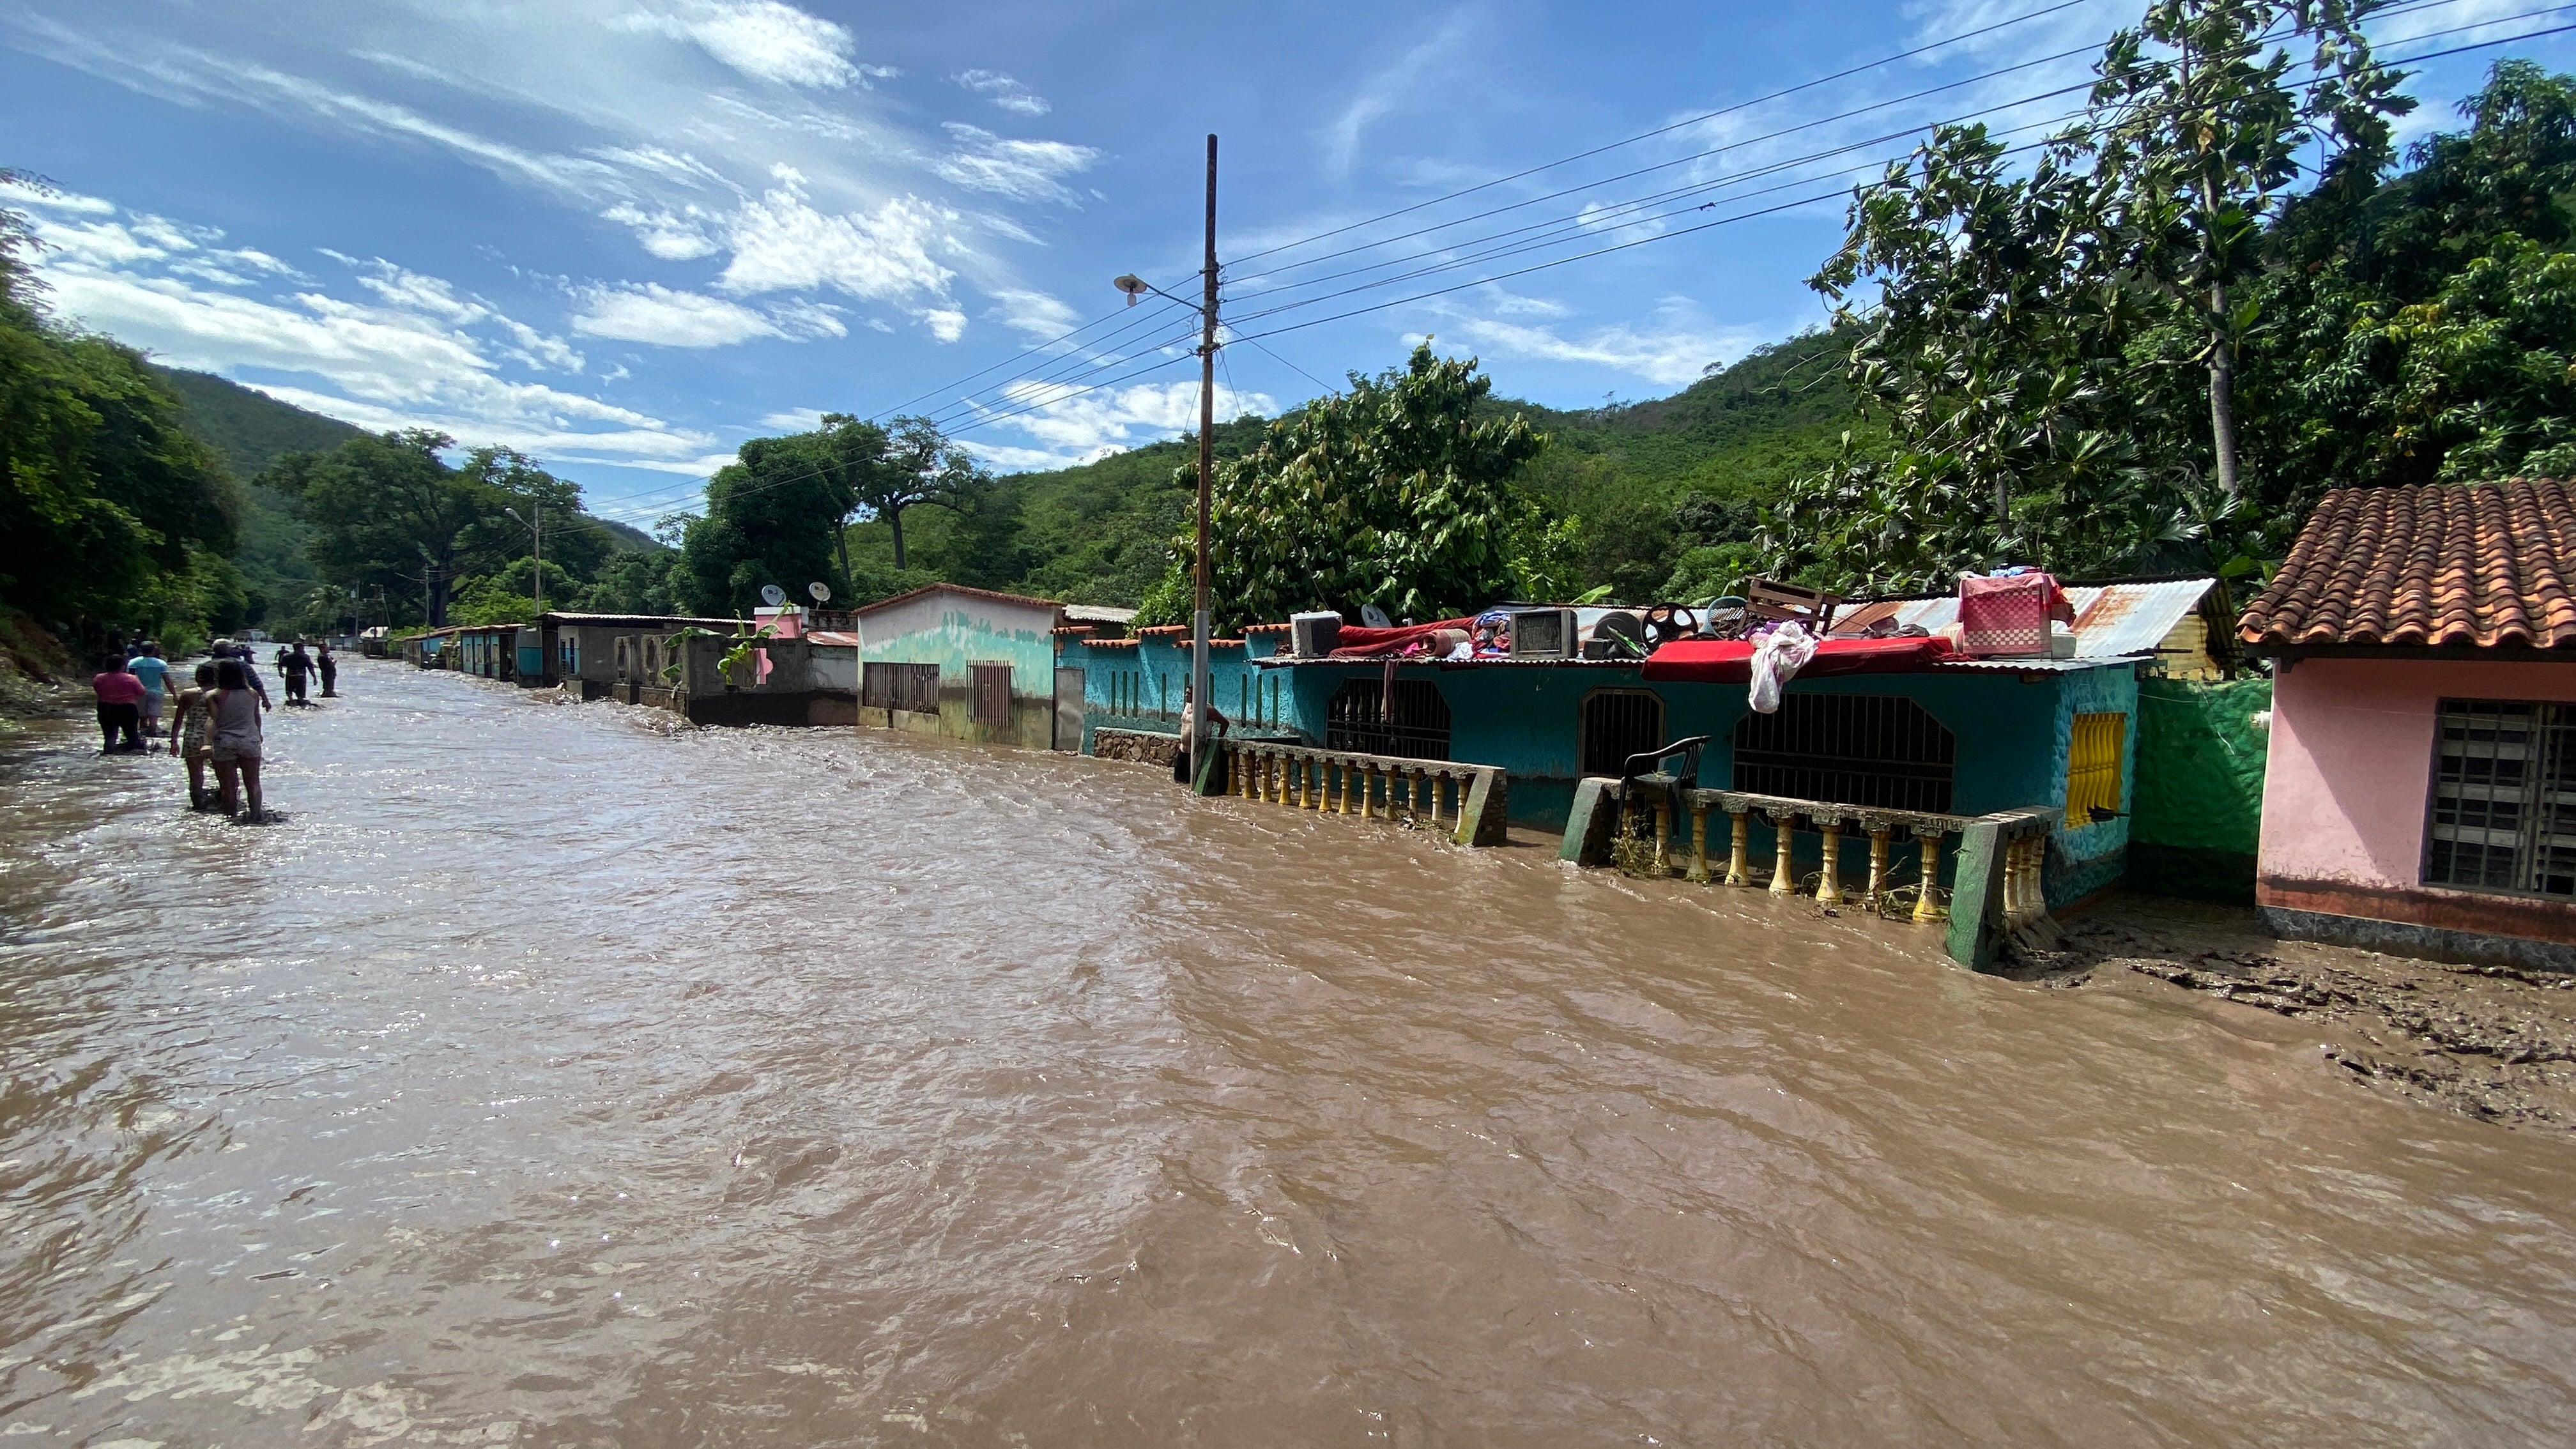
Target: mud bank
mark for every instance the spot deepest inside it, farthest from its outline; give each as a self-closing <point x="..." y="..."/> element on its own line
<point x="2486" y="1041"/>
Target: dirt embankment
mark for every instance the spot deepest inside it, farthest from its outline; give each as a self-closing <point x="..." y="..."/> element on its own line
<point x="37" y="676"/>
<point x="2488" y="1041"/>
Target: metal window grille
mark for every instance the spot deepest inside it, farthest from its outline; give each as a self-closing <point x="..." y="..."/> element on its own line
<point x="1618" y="723"/>
<point x="2503" y="813"/>
<point x="1416" y="727"/>
<point x="1874" y="750"/>
<point x="2093" y="766"/>
<point x="900" y="686"/>
<point x="992" y="694"/>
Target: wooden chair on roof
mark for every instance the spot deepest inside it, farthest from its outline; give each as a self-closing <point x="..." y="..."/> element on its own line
<point x="1813" y="609"/>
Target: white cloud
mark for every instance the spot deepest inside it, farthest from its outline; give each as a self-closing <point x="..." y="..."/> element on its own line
<point x="1020" y="170"/>
<point x="20" y="196"/>
<point x="783" y="243"/>
<point x="656" y="314"/>
<point x="1003" y="91"/>
<point x="1075" y="428"/>
<point x="1673" y="351"/>
<point x="761" y="39"/>
<point x="1034" y="314"/>
<point x="945" y="323"/>
<point x="1381" y="94"/>
<point x="673" y="236"/>
<point x="416" y="352"/>
<point x="793" y="420"/>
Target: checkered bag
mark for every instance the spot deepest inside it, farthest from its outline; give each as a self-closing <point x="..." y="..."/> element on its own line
<point x="2006" y="616"/>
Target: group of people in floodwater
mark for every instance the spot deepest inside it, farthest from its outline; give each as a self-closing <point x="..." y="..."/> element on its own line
<point x="216" y="721"/>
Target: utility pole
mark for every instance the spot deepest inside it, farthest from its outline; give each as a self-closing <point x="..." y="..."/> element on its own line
<point x="1200" y="687"/>
<point x="537" y="509"/>
<point x="1196" y="727"/>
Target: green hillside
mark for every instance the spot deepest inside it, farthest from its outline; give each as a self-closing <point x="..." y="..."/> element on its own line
<point x="1667" y="491"/>
<point x="248" y="427"/>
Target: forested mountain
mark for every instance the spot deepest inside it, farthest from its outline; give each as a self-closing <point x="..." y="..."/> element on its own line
<point x="247" y="428"/>
<point x="1645" y="484"/>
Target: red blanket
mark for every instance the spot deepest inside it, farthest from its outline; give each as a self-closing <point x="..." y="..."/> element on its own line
<point x="1360" y="642"/>
<point x="1730" y="661"/>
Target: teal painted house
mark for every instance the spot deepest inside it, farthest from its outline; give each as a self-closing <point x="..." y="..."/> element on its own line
<point x="1967" y="737"/>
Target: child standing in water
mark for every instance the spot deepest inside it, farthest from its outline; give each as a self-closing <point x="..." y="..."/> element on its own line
<point x="192" y="732"/>
<point x="235" y="747"/>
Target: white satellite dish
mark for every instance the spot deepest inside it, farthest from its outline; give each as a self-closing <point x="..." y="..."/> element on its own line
<point x="822" y="592"/>
<point x="772" y="595"/>
<point x="1375" y="617"/>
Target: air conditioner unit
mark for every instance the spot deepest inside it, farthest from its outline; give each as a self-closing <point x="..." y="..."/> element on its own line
<point x="1312" y="636"/>
<point x="1544" y="634"/>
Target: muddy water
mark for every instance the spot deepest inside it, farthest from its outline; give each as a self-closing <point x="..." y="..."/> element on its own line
<point x="555" y="1078"/>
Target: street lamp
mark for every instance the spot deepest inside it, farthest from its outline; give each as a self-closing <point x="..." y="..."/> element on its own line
<point x="1201" y="778"/>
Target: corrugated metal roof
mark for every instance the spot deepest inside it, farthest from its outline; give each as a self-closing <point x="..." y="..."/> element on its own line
<point x="2111" y="620"/>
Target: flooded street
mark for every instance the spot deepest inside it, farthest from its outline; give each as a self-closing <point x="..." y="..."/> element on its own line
<point x="558" y="1076"/>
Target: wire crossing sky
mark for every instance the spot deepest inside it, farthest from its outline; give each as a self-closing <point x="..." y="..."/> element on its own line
<point x="624" y="235"/>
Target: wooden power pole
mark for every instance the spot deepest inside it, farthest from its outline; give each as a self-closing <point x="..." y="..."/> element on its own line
<point x="1202" y="777"/>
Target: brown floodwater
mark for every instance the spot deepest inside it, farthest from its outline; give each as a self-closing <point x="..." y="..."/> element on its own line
<point x="555" y="1076"/>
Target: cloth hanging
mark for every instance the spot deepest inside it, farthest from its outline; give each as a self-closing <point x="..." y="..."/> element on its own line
<point x="1776" y="660"/>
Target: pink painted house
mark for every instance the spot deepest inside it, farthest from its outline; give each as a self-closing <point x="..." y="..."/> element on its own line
<point x="2420" y="795"/>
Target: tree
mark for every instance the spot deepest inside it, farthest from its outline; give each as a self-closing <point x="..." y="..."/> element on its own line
<point x="2199" y="150"/>
<point x="2032" y="328"/>
<point x="1393" y="494"/>
<point x="772" y="518"/>
<point x="117" y="518"/>
<point x="388" y="512"/>
<point x="918" y="464"/>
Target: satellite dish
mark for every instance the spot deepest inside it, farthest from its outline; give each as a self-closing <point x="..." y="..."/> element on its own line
<point x="1375" y="617"/>
<point x="1134" y="286"/>
<point x="822" y="592"/>
<point x="772" y="595"/>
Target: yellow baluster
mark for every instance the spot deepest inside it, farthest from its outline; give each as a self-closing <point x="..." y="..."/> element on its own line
<point x="1738" y="831"/>
<point x="1698" y="874"/>
<point x="1878" y="837"/>
<point x="1924" y="908"/>
<point x="1829" y="884"/>
<point x="1783" y="879"/>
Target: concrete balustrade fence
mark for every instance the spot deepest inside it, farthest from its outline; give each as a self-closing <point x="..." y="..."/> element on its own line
<point x="1998" y="883"/>
<point x="1469" y="801"/>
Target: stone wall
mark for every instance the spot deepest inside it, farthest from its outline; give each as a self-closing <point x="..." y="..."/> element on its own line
<point x="1141" y="746"/>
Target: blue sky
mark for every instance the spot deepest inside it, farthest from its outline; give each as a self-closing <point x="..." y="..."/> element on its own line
<point x="624" y="235"/>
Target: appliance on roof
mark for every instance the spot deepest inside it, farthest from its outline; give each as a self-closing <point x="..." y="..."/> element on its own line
<point x="1544" y="634"/>
<point x="1312" y="636"/>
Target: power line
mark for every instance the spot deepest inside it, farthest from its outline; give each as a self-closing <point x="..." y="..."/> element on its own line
<point x="1541" y="243"/>
<point x="1675" y="126"/>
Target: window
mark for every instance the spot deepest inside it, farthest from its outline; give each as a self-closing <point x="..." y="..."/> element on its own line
<point x="1874" y="750"/>
<point x="992" y="704"/>
<point x="900" y="686"/>
<point x="1618" y="723"/>
<point x="2093" y="766"/>
<point x="1412" y="725"/>
<point x="568" y="653"/>
<point x="2503" y="814"/>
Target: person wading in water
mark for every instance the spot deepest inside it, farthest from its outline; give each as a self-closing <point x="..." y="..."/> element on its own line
<point x="329" y="664"/>
<point x="120" y="709"/>
<point x="235" y="746"/>
<point x="298" y="669"/>
<point x="192" y="727"/>
<point x="148" y="665"/>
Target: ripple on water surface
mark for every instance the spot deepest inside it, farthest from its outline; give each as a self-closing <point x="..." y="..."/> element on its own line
<point x="555" y="1076"/>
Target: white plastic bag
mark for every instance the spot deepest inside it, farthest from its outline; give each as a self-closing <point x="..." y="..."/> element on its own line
<point x="1776" y="660"/>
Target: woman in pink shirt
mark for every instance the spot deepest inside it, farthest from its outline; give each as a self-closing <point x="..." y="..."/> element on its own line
<point x="120" y="709"/>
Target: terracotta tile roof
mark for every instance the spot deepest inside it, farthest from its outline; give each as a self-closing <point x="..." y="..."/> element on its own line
<point x="2482" y="564"/>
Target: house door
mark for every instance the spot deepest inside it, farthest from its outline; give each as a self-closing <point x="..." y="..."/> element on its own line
<point x="1068" y="709"/>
